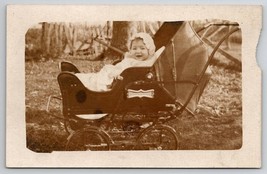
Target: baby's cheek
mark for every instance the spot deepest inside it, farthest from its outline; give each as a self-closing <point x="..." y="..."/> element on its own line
<point x="131" y="53"/>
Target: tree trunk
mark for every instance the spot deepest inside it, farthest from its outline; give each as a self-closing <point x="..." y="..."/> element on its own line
<point x="122" y="30"/>
<point x="45" y="40"/>
<point x="51" y="41"/>
<point x="60" y="39"/>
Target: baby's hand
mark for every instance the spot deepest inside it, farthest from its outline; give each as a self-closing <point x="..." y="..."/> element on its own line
<point x="119" y="77"/>
<point x="114" y="76"/>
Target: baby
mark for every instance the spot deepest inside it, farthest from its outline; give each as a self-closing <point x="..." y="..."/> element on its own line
<point x="141" y="53"/>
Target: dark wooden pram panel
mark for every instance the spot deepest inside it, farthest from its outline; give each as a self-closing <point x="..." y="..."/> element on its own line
<point x="77" y="99"/>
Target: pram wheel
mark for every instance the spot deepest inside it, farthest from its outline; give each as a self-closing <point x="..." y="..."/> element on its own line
<point x="88" y="139"/>
<point x="157" y="137"/>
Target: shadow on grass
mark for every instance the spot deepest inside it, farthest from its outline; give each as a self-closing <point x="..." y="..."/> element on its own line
<point x="44" y="133"/>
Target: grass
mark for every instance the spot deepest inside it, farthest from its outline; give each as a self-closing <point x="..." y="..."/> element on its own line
<point x="217" y="124"/>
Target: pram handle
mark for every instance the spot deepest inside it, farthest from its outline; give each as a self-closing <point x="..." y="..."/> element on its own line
<point x="49" y="101"/>
<point x="48" y="108"/>
<point x="216" y="24"/>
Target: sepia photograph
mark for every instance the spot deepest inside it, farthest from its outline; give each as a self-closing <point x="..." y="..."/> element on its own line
<point x="133" y="88"/>
<point x="134" y="85"/>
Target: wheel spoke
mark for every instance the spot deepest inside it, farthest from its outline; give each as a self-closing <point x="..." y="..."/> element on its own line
<point x="160" y="137"/>
<point x="88" y="140"/>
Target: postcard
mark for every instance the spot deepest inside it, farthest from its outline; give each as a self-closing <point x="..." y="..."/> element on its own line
<point x="143" y="86"/>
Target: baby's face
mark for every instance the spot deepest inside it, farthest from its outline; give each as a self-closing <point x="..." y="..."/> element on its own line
<point x="138" y="50"/>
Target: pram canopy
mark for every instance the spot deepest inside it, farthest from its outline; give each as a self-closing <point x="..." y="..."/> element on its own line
<point x="182" y="62"/>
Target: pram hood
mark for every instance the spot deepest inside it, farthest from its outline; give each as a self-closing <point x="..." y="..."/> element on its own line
<point x="184" y="59"/>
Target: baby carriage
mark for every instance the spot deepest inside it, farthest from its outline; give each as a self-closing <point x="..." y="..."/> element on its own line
<point x="134" y="113"/>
